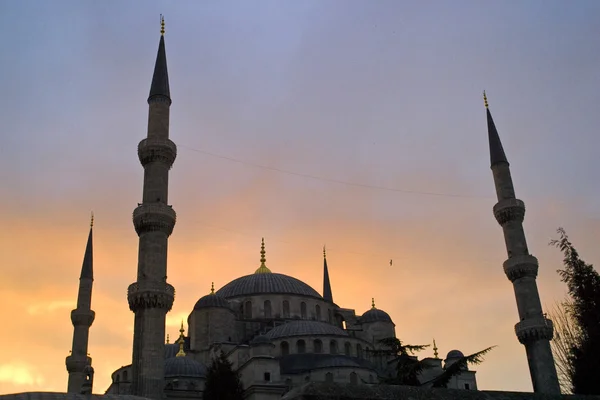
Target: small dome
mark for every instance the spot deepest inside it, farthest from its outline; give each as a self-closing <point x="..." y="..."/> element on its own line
<point x="184" y="367"/>
<point x="211" y="300"/>
<point x="454" y="354"/>
<point x="304" y="328"/>
<point x="260" y="339"/>
<point x="374" y="315"/>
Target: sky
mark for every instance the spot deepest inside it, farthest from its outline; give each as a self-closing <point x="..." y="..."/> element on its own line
<point x="352" y="124"/>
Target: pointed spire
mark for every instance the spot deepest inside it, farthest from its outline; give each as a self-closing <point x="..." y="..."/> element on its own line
<point x="87" y="269"/>
<point x="327" y="295"/>
<point x="181" y="342"/>
<point x="160" y="79"/>
<point x="372" y="302"/>
<point x="435" y="349"/>
<point x="496" y="150"/>
<point x="212" y="288"/>
<point x="263" y="266"/>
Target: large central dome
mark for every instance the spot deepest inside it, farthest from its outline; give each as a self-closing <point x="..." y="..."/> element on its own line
<point x="266" y="283"/>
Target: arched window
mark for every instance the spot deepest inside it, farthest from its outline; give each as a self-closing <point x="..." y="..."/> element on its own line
<point x="248" y="309"/>
<point x="333" y="347"/>
<point x="329" y="377"/>
<point x="267" y="309"/>
<point x="286" y="309"/>
<point x="348" y="349"/>
<point x="359" y="352"/>
<point x="318" y="346"/>
<point x="125" y="375"/>
<point x="317" y="312"/>
<point x="353" y="378"/>
<point x="118" y="378"/>
<point x="285" y="348"/>
<point x="303" y="310"/>
<point x="301" y="346"/>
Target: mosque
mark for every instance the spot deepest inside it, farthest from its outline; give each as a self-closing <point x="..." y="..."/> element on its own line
<point x="278" y="332"/>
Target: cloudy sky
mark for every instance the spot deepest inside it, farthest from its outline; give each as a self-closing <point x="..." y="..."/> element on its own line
<point x="355" y="124"/>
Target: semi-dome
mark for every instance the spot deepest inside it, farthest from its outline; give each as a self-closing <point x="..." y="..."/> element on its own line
<point x="266" y="283"/>
<point x="455" y="354"/>
<point x="211" y="300"/>
<point x="184" y="367"/>
<point x="304" y="328"/>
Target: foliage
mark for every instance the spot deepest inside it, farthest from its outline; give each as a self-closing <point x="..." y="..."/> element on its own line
<point x="566" y="337"/>
<point x="583" y="283"/>
<point x="409" y="368"/>
<point x="222" y="382"/>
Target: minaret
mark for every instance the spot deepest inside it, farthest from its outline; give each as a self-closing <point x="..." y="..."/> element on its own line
<point x="533" y="330"/>
<point x="82" y="318"/>
<point x="151" y="297"/>
<point x="326" y="284"/>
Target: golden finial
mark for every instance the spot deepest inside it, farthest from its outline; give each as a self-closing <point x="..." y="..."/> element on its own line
<point x="435" y="349"/>
<point x="212" y="288"/>
<point x="92" y="220"/>
<point x="162" y="25"/>
<point x="263" y="266"/>
<point x="372" y="302"/>
<point x="180" y="342"/>
<point x="167" y="338"/>
<point x="324" y="252"/>
<point x="485" y="102"/>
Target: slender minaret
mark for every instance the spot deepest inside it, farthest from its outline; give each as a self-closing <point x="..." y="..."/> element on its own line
<point x="533" y="330"/>
<point x="151" y="297"/>
<point x="82" y="318"/>
<point x="327" y="295"/>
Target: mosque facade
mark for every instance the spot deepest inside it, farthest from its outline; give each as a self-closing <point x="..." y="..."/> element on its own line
<point x="278" y="332"/>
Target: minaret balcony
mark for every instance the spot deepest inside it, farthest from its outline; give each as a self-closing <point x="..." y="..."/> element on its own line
<point x="77" y="364"/>
<point x="533" y="329"/>
<point x="521" y="266"/>
<point x="509" y="210"/>
<point x="157" y="150"/>
<point x="145" y="294"/>
<point x="154" y="217"/>
<point x="82" y="317"/>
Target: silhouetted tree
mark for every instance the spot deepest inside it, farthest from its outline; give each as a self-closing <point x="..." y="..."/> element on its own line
<point x="222" y="382"/>
<point x="409" y="368"/>
<point x="583" y="283"/>
<point x="566" y="337"/>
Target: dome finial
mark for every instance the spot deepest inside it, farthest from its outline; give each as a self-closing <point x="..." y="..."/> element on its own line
<point x="212" y="288"/>
<point x="167" y="338"/>
<point x="263" y="266"/>
<point x="324" y="252"/>
<point x="180" y="342"/>
<point x="372" y="302"/>
<point x="435" y="349"/>
<point x="485" y="102"/>
<point x="162" y="25"/>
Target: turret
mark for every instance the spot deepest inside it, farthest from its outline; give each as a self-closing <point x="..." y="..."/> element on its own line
<point x="151" y="297"/>
<point x="78" y="363"/>
<point x="533" y="330"/>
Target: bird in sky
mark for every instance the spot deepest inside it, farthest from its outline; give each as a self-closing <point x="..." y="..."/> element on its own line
<point x="391" y="263"/>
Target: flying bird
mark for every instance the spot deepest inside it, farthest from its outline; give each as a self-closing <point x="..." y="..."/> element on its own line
<point x="390" y="263"/>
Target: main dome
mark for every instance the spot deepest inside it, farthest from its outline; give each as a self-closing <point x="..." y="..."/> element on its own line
<point x="266" y="283"/>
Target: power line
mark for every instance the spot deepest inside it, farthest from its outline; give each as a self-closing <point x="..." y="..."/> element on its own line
<point x="330" y="180"/>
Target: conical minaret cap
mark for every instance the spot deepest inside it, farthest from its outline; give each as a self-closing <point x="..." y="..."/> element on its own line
<point x="160" y="79"/>
<point x="327" y="294"/>
<point x="87" y="269"/>
<point x="497" y="154"/>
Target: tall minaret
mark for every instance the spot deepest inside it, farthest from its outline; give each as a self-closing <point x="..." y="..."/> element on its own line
<point x="151" y="297"/>
<point x="327" y="295"/>
<point x="82" y="318"/>
<point x="534" y="330"/>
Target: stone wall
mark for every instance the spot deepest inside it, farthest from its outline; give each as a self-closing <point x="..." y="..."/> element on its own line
<point x="340" y="391"/>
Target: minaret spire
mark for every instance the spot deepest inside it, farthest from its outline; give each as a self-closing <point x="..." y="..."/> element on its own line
<point x="327" y="295"/>
<point x="151" y="297"/>
<point x="78" y="363"/>
<point x="534" y="330"/>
